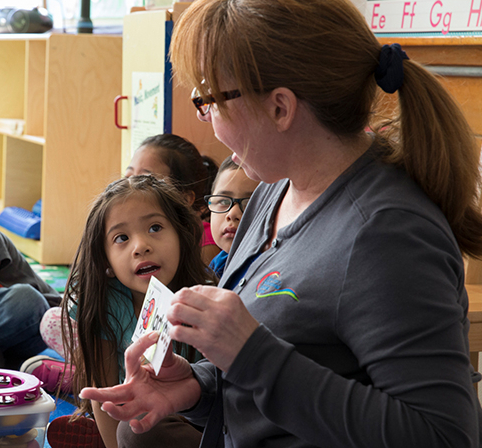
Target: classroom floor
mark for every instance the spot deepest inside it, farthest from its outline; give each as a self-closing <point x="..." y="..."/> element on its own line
<point x="55" y="276"/>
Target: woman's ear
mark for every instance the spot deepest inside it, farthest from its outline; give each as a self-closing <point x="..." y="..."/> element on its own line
<point x="109" y="272"/>
<point x="282" y="107"/>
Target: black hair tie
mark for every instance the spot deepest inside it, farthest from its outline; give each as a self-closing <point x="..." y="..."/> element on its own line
<point x="389" y="73"/>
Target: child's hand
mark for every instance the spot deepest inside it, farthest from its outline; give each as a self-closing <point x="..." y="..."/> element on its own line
<point x="173" y="390"/>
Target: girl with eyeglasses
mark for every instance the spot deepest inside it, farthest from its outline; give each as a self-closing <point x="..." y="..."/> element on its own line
<point x="341" y="316"/>
<point x="230" y="195"/>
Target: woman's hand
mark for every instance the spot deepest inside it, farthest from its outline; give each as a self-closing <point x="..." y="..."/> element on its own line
<point x="218" y="322"/>
<point x="173" y="390"/>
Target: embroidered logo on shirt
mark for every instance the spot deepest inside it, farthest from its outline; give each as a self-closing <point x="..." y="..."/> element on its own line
<point x="270" y="285"/>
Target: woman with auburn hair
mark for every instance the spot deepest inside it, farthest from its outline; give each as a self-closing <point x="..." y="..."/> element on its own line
<point x="341" y="317"/>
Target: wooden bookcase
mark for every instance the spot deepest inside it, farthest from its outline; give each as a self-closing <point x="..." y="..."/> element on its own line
<point x="61" y="87"/>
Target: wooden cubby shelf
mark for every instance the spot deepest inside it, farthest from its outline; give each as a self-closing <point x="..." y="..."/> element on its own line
<point x="61" y="89"/>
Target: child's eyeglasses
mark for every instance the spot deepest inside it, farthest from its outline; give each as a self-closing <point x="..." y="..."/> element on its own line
<point x="203" y="104"/>
<point x="218" y="203"/>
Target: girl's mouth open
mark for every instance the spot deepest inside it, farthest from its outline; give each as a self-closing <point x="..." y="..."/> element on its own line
<point x="148" y="270"/>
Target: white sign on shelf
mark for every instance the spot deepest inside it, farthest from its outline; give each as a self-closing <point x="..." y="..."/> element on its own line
<point x="147" y="117"/>
<point x="416" y="16"/>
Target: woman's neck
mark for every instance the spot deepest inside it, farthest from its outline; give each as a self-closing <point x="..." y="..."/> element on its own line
<point x="323" y="161"/>
<point x="316" y="167"/>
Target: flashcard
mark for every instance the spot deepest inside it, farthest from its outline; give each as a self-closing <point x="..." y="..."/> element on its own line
<point x="153" y="318"/>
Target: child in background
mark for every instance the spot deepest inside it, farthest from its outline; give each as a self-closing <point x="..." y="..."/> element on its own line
<point x="230" y="195"/>
<point x="139" y="227"/>
<point x="169" y="155"/>
<point x="24" y="298"/>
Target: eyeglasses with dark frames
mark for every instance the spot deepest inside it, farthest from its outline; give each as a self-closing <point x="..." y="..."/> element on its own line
<point x="219" y="203"/>
<point x="203" y="104"/>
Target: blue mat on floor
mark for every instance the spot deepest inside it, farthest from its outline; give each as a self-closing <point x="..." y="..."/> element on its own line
<point x="62" y="407"/>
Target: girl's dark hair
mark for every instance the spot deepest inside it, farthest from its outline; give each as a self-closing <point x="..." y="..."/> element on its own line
<point x="328" y="60"/>
<point x="88" y="287"/>
<point x="213" y="169"/>
<point x="186" y="165"/>
<point x="227" y="164"/>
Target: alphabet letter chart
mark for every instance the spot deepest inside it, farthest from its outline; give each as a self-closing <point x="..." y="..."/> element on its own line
<point x="153" y="318"/>
<point x="419" y="16"/>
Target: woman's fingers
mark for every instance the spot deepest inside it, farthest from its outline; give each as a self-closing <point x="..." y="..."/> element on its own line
<point x="133" y="359"/>
<point x="135" y="353"/>
<point x="144" y="393"/>
<point x="126" y="412"/>
<point x="213" y="320"/>
<point x="116" y="394"/>
<point x="196" y="296"/>
<point x="188" y="306"/>
<point x="144" y="424"/>
<point x="198" y="305"/>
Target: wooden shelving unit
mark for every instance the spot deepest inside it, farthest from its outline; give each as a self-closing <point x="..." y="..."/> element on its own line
<point x="62" y="88"/>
